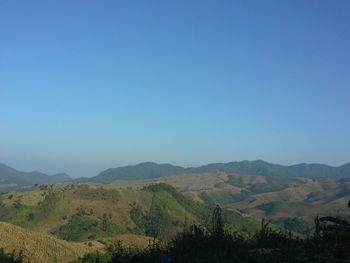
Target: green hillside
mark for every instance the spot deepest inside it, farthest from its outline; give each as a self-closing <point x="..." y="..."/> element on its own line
<point x="292" y="201"/>
<point x="145" y="171"/>
<point x="88" y="214"/>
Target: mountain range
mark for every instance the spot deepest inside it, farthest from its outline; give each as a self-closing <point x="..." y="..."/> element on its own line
<point x="149" y="170"/>
<point x="150" y="200"/>
<point x="12" y="178"/>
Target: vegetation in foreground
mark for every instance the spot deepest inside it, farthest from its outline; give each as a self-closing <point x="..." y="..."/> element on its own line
<point x="331" y="243"/>
<point x="12" y="257"/>
<point x="22" y="245"/>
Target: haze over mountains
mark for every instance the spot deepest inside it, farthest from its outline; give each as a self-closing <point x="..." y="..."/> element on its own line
<point x="149" y="170"/>
<point x="12" y="177"/>
<point x="157" y="200"/>
<point x="258" y="188"/>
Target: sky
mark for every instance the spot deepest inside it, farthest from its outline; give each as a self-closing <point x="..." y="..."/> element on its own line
<point x="89" y="85"/>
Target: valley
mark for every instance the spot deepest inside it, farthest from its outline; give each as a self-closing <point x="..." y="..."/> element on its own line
<point x="87" y="217"/>
<point x="289" y="202"/>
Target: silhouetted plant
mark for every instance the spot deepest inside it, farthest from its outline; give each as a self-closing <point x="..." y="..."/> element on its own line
<point x="333" y="235"/>
<point x="217" y="224"/>
<point x="214" y="244"/>
<point x="14" y="257"/>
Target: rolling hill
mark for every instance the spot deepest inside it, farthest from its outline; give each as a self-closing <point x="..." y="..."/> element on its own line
<point x="283" y="200"/>
<point x="38" y="247"/>
<point x="144" y="171"/>
<point x="83" y="214"/>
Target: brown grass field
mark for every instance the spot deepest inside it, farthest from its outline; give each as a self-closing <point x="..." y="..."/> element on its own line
<point x="39" y="248"/>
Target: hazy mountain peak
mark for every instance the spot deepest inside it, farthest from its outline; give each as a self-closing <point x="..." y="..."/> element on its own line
<point x="149" y="170"/>
<point x="28" y="178"/>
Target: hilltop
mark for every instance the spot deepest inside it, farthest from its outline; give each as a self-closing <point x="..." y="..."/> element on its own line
<point x="148" y="170"/>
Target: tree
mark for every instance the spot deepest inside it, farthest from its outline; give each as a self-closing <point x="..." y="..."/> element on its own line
<point x="217" y="224"/>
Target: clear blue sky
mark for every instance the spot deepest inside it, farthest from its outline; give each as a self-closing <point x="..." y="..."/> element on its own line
<point x="87" y="85"/>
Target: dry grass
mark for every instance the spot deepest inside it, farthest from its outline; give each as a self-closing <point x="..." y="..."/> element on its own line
<point x="187" y="182"/>
<point x="39" y="248"/>
<point x="294" y="195"/>
<point x="116" y="202"/>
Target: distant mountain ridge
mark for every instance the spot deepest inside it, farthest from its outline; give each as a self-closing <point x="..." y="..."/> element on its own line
<point x="149" y="170"/>
<point x="9" y="175"/>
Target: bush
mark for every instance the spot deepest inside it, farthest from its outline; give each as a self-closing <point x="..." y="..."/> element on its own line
<point x="11" y="258"/>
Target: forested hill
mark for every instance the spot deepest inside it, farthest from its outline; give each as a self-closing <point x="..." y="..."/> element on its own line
<point x="150" y="170"/>
<point x="86" y="214"/>
<point x="9" y="175"/>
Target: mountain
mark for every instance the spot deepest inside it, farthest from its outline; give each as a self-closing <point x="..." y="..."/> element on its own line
<point x="12" y="178"/>
<point x="87" y="214"/>
<point x="38" y="247"/>
<point x="295" y="201"/>
<point x="141" y="171"/>
<point x="60" y="177"/>
<point x="150" y="170"/>
<point x="261" y="167"/>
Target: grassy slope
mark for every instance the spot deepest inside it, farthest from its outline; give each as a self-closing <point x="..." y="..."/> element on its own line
<point x="260" y="196"/>
<point x="90" y="214"/>
<point x="73" y="206"/>
<point x="39" y="247"/>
